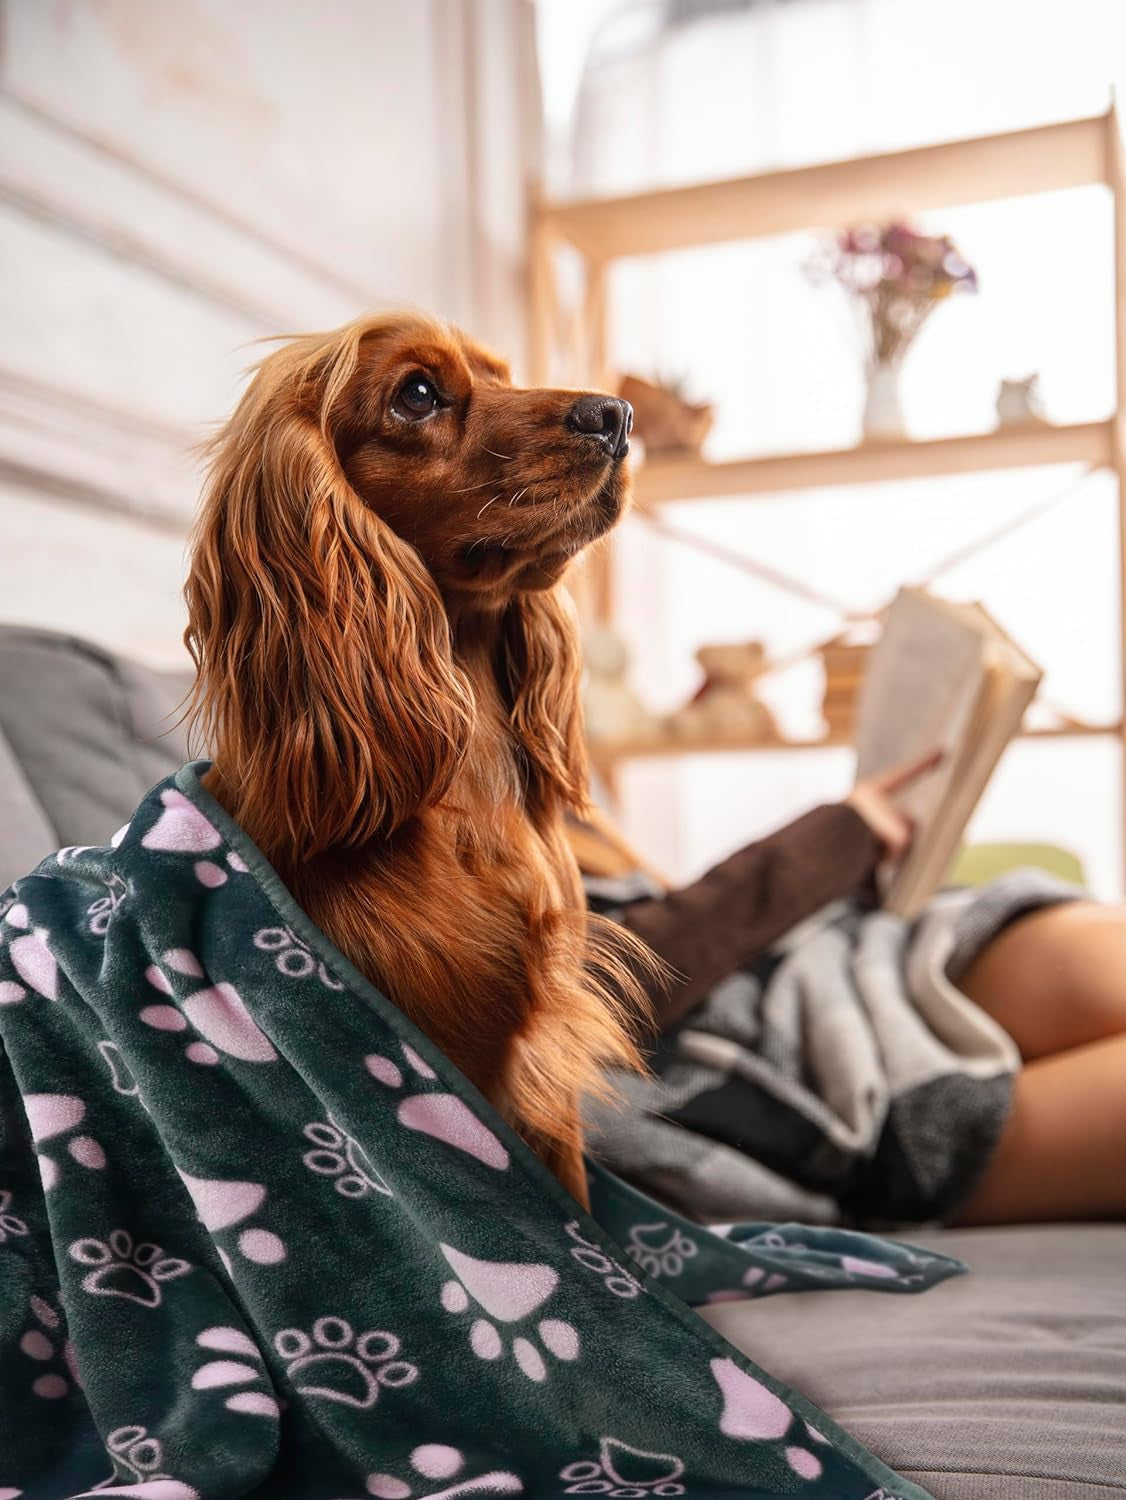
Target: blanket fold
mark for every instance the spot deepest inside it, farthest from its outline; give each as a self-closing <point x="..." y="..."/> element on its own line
<point x="842" y="1078"/>
<point x="259" y="1237"/>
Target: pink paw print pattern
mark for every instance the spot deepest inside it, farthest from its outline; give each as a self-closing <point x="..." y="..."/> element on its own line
<point x="625" y="1473"/>
<point x="334" y="1363"/>
<point x="335" y="1154"/>
<point x="756" y="1280"/>
<point x="226" y="1373"/>
<point x="751" y="1411"/>
<point x="755" y="1283"/>
<point x="216" y="1012"/>
<point x="139" y="1457"/>
<point x="614" y="1277"/>
<point x="31" y="958"/>
<point x="120" y="1268"/>
<point x="53" y="1115"/>
<point x="660" y="1249"/>
<point x="51" y="1354"/>
<point x="11" y="1225"/>
<point x="510" y="1294"/>
<point x="439" y="1462"/>
<point x="100" y="912"/>
<point x="224" y="1203"/>
<point x="157" y="1486"/>
<point x="293" y="958"/>
<point x="445" y="1117"/>
<point x="121" y="1078"/>
<point x="183" y="829"/>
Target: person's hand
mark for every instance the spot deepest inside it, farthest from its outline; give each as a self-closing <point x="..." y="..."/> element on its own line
<point x="874" y="799"/>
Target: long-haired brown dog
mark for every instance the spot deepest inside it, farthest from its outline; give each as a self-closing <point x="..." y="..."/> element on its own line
<point x="388" y="684"/>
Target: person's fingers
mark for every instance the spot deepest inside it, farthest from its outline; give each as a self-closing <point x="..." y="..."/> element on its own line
<point x="900" y="841"/>
<point x="900" y="776"/>
<point x="891" y="827"/>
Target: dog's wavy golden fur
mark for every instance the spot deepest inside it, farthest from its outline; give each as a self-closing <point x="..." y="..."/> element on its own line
<point x="388" y="684"/>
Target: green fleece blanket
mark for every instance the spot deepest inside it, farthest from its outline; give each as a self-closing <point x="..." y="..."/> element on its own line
<point x="259" y="1237"/>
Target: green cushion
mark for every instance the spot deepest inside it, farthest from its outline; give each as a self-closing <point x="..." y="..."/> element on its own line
<point x="978" y="864"/>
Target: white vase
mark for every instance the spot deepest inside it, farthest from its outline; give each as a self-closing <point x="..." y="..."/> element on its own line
<point x="883" y="414"/>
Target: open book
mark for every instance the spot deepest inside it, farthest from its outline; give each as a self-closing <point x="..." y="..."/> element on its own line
<point x="946" y="677"/>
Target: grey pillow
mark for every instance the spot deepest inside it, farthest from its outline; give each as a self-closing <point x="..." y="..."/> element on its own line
<point x="90" y="731"/>
<point x="26" y="834"/>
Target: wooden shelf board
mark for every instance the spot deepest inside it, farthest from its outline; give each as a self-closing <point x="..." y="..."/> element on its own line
<point x="876" y="463"/>
<point x="609" y="754"/>
<point x="982" y="169"/>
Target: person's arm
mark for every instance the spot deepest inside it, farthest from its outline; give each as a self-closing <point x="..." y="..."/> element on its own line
<point x="737" y="910"/>
<point x="744" y="905"/>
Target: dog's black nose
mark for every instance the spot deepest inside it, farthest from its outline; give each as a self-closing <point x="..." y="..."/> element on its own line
<point x="607" y="418"/>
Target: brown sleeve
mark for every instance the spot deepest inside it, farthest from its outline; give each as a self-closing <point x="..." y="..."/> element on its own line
<point x="738" y="909"/>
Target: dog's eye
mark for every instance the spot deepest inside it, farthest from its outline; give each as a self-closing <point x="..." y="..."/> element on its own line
<point x="417" y="397"/>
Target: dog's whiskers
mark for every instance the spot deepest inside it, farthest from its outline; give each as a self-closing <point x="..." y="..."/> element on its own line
<point x="520" y="496"/>
<point x="508" y="457"/>
<point x="486" y="505"/>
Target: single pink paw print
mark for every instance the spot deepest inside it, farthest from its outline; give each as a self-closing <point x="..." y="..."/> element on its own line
<point x="11" y="1225"/>
<point x="100" y="912"/>
<point x="240" y="1364"/>
<point x="120" y="1268"/>
<point x="216" y="1011"/>
<point x="31" y="956"/>
<point x="614" y="1277"/>
<point x="755" y="1413"/>
<point x="336" y="1364"/>
<point x="51" y="1353"/>
<point x="338" y="1156"/>
<point x="660" y="1249"/>
<point x="442" y="1116"/>
<point x="53" y="1116"/>
<point x="625" y="1473"/>
<point x="440" y="1462"/>
<point x="141" y="1457"/>
<point x="294" y="959"/>
<point x="511" y="1294"/>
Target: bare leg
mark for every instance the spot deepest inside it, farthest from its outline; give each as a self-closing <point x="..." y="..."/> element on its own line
<point x="1056" y="981"/>
<point x="1062" y="1153"/>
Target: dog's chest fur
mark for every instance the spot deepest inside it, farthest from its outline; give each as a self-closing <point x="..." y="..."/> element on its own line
<point x="470" y="918"/>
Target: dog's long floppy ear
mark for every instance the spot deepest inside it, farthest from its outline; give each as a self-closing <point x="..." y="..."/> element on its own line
<point x="326" y="691"/>
<point x="542" y="667"/>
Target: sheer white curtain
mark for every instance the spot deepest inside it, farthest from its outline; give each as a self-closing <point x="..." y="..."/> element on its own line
<point x="665" y="99"/>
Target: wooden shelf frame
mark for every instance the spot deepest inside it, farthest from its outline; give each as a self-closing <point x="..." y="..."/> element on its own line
<point x="1090" y="443"/>
<point x="573" y="346"/>
<point x="982" y="169"/>
<point x="607" y="754"/>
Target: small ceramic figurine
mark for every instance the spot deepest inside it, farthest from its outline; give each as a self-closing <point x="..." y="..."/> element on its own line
<point x="1018" y="402"/>
<point x="726" y="705"/>
<point x="613" y="710"/>
<point x="844" y="659"/>
<point x="663" y="420"/>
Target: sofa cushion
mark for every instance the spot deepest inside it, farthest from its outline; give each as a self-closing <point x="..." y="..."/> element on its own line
<point x="91" y="732"/>
<point x="26" y="833"/>
<point x="1006" y="1384"/>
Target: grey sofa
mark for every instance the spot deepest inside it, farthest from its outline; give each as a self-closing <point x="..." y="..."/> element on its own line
<point x="1007" y="1384"/>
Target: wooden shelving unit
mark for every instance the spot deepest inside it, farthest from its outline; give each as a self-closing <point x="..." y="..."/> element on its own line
<point x="570" y="343"/>
<point x="831" y="194"/>
<point x="606" y="753"/>
<point x="876" y="463"/>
